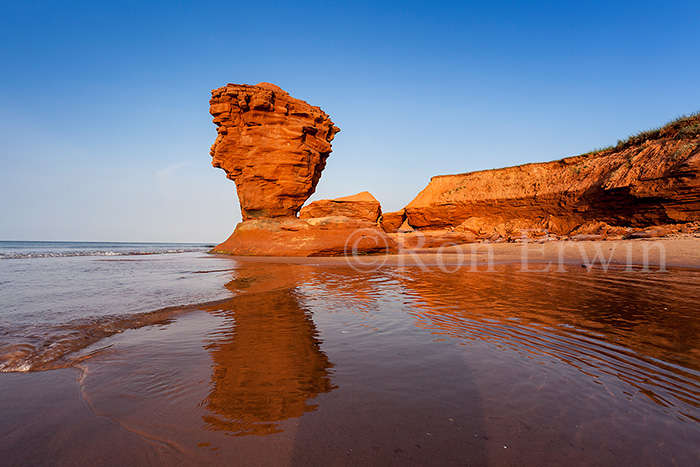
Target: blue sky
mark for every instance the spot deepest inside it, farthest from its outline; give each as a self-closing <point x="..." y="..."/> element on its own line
<point x="105" y="130"/>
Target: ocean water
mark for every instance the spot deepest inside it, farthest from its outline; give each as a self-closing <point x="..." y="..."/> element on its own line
<point x="27" y="249"/>
<point x="217" y="360"/>
<point x="58" y="298"/>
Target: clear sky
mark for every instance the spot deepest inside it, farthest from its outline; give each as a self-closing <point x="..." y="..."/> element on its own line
<point x="104" y="122"/>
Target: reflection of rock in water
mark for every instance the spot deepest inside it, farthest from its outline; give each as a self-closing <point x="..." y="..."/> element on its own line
<point x="267" y="366"/>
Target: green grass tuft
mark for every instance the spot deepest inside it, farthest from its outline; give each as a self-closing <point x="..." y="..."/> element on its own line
<point x="690" y="131"/>
<point x="683" y="127"/>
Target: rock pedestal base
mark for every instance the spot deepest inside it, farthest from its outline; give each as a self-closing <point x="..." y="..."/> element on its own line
<point x="290" y="236"/>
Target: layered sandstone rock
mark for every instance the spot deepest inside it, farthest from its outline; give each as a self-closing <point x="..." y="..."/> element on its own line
<point x="272" y="145"/>
<point x="651" y="180"/>
<point x="274" y="148"/>
<point x="391" y="222"/>
<point x="324" y="236"/>
<point x="360" y="206"/>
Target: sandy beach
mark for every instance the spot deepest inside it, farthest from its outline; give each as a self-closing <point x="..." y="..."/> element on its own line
<point x="678" y="252"/>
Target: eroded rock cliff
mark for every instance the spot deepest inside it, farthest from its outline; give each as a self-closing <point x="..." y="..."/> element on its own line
<point x="652" y="179"/>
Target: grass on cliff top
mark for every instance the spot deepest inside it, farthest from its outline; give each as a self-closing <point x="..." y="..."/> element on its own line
<point x="683" y="127"/>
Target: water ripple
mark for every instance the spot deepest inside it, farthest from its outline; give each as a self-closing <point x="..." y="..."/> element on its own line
<point x="640" y="328"/>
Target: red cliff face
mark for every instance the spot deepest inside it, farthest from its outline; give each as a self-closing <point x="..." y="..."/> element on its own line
<point x="272" y="145"/>
<point x="653" y="179"/>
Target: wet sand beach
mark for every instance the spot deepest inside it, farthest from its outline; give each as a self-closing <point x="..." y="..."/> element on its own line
<point x="420" y="360"/>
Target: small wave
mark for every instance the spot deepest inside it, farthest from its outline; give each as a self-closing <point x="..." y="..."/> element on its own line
<point x="64" y="254"/>
<point x="64" y="346"/>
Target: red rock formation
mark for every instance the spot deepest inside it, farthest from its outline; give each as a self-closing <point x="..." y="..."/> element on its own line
<point x="391" y="221"/>
<point x="652" y="179"/>
<point x="272" y="145"/>
<point x="416" y="240"/>
<point x="360" y="206"/>
<point x="324" y="236"/>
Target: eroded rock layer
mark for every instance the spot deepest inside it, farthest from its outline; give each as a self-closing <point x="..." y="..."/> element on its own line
<point x="360" y="206"/>
<point x="324" y="236"/>
<point x="272" y="145"/>
<point x="391" y="222"/>
<point x="649" y="181"/>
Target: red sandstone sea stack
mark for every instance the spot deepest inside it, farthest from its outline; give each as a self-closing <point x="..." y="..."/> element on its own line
<point x="274" y="147"/>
